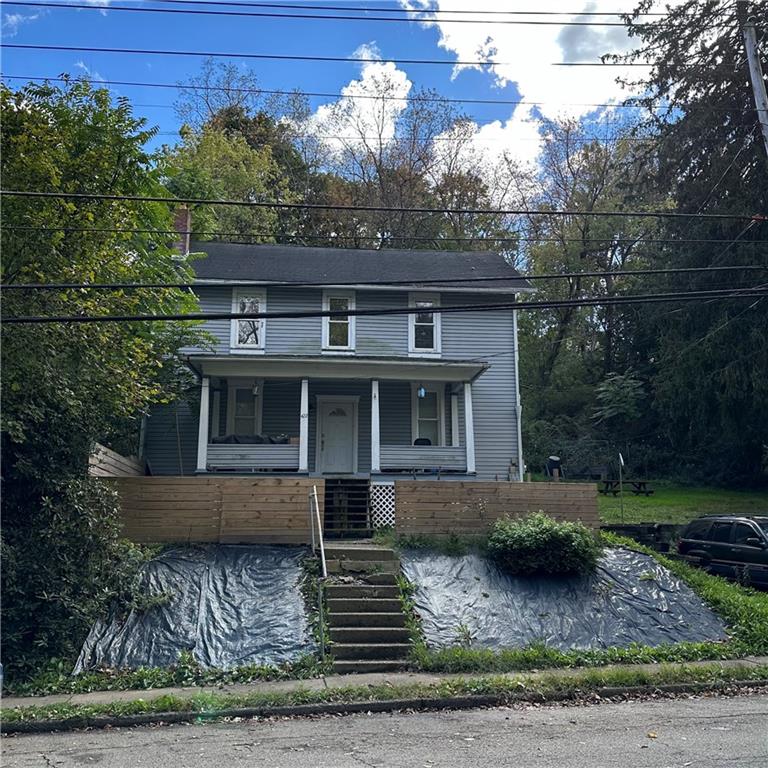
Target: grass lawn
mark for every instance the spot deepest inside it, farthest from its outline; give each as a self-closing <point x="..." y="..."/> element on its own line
<point x="676" y="504"/>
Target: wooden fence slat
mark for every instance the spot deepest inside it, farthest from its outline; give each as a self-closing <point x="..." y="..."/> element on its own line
<point x="104" y="462"/>
<point x="223" y="509"/>
<point x="441" y="508"/>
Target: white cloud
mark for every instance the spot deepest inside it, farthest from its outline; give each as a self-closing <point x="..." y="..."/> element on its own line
<point x="88" y="72"/>
<point x="369" y="107"/>
<point x="103" y="4"/>
<point x="526" y="53"/>
<point x="12" y="22"/>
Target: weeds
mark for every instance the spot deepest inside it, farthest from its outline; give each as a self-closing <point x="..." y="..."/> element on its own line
<point x="507" y="689"/>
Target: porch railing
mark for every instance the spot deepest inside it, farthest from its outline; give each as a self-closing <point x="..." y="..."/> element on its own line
<point x="223" y="456"/>
<point x="423" y="457"/>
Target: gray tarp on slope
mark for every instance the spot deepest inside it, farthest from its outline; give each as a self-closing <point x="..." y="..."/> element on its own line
<point x="230" y="605"/>
<point x="618" y="605"/>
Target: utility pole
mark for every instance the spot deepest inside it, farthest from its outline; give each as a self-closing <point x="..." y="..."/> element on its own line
<point x="755" y="69"/>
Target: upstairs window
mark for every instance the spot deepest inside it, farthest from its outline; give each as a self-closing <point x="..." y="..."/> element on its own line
<point x="338" y="331"/>
<point x="248" y="334"/>
<point x="424" y="327"/>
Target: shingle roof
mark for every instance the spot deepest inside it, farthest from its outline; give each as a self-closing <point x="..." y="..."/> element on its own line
<point x="233" y="262"/>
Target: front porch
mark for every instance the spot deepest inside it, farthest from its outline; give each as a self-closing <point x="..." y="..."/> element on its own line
<point x="373" y="421"/>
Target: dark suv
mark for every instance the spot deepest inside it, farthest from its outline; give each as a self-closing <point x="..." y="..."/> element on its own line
<point x="728" y="545"/>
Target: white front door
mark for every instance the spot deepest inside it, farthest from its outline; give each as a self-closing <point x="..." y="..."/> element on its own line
<point x="336" y="437"/>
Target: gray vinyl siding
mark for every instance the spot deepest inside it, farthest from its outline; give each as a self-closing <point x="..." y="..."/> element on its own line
<point x="382" y="335"/>
<point x="395" y="412"/>
<point x="487" y="335"/>
<point x="294" y="336"/>
<point x="280" y="407"/>
<point x="470" y="335"/>
<point x="215" y="299"/>
<point x="171" y="430"/>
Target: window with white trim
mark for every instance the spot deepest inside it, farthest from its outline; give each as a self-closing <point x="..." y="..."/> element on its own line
<point x="244" y="408"/>
<point x="339" y="330"/>
<point x="248" y="334"/>
<point x="424" y="327"/>
<point x="428" y="416"/>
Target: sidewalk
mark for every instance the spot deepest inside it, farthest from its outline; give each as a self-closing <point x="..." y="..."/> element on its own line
<point x="343" y="681"/>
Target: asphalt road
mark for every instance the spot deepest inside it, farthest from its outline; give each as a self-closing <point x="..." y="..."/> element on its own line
<point x="717" y="732"/>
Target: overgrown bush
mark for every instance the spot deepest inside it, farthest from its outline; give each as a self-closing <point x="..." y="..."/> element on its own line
<point x="64" y="565"/>
<point x="539" y="545"/>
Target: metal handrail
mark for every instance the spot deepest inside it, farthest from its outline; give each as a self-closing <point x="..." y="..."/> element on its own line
<point x="314" y="519"/>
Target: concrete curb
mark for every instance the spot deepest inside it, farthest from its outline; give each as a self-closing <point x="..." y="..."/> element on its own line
<point x="388" y="705"/>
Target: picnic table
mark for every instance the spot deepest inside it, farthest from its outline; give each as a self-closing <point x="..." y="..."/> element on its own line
<point x="638" y="487"/>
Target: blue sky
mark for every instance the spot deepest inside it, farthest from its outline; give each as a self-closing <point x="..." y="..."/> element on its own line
<point x="528" y="50"/>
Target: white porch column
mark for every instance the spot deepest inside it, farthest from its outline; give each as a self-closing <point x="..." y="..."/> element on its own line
<point x="469" y="427"/>
<point x="455" y="442"/>
<point x="375" y="428"/>
<point x="202" y="433"/>
<point x="304" y="427"/>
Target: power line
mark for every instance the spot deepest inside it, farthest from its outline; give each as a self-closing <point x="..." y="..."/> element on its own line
<point x="474" y="138"/>
<point x="364" y="96"/>
<point x="337" y="283"/>
<point x="307" y="57"/>
<point x="400" y="10"/>
<point x="257" y="56"/>
<point x="513" y="237"/>
<point x="314" y="16"/>
<point x="381" y="208"/>
<point x="530" y="305"/>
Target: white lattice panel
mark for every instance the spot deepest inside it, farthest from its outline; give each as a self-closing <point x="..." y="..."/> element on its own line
<point x="383" y="505"/>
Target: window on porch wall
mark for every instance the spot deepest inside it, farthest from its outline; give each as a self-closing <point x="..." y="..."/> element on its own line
<point x="244" y="409"/>
<point x="428" y="422"/>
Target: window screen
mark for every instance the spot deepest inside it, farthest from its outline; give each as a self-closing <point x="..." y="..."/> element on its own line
<point x="338" y="327"/>
<point x="428" y="417"/>
<point x="245" y="412"/>
<point x="424" y="326"/>
<point x="249" y="333"/>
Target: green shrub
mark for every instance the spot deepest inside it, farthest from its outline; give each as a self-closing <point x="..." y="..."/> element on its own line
<point x="538" y="544"/>
<point x="64" y="565"/>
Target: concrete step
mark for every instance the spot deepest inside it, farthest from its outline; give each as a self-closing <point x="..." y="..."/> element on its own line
<point x="362" y="666"/>
<point x="361" y="590"/>
<point x="384" y="579"/>
<point x="359" y="651"/>
<point x="366" y="619"/>
<point x="363" y="605"/>
<point x="370" y="635"/>
<point x="358" y="552"/>
<point x="363" y="566"/>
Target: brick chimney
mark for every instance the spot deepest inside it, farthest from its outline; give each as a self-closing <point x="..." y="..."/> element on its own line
<point x="182" y="223"/>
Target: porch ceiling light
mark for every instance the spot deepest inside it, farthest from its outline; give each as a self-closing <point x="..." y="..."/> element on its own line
<point x="421" y="392"/>
<point x="255" y="390"/>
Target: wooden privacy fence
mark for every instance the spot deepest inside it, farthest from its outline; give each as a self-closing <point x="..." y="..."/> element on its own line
<point x="225" y="510"/>
<point x="104" y="462"/>
<point x="469" y="508"/>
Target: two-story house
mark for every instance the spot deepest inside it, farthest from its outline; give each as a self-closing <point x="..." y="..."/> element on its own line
<point x="360" y="398"/>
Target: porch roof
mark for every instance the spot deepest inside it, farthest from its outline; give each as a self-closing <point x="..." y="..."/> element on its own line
<point x="339" y="367"/>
